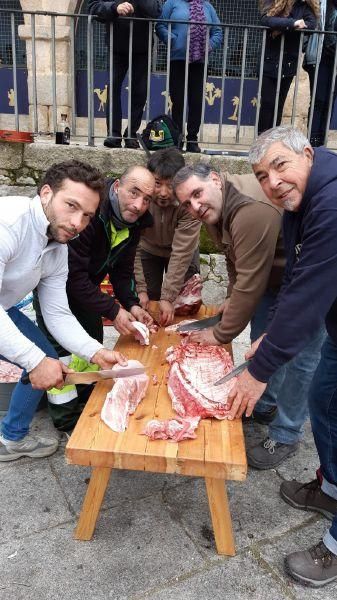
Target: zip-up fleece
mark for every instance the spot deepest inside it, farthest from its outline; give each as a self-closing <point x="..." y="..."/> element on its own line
<point x="249" y="235"/>
<point x="309" y="291"/>
<point x="28" y="259"/>
<point x="91" y="258"/>
<point x="174" y="235"/>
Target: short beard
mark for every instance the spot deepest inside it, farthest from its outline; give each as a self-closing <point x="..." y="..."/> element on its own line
<point x="289" y="205"/>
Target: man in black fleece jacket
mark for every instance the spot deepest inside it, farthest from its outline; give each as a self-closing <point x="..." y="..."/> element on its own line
<point x="115" y="12"/>
<point x="304" y="183"/>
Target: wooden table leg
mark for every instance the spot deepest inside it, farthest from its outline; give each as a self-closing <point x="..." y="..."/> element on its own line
<point x="221" y="517"/>
<point x="92" y="503"/>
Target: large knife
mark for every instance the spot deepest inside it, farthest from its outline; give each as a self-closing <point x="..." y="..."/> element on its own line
<point x="93" y="376"/>
<point x="233" y="373"/>
<point x="201" y="324"/>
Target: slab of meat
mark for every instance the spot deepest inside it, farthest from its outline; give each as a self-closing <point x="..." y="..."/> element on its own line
<point x="194" y="369"/>
<point x="123" y="400"/>
<point x="142" y="334"/>
<point x="174" y="430"/>
<point x="189" y="300"/>
<point x="9" y="373"/>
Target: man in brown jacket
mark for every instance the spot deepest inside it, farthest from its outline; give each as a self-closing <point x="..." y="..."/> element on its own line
<point x="246" y="226"/>
<point x="168" y="252"/>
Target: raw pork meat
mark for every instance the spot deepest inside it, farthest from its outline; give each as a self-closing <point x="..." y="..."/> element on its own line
<point x="194" y="369"/>
<point x="142" y="334"/>
<point x="189" y="300"/>
<point x="123" y="399"/>
<point x="9" y="373"/>
<point x="174" y="430"/>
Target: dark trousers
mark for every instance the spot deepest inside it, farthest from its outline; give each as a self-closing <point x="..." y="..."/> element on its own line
<point x="154" y="268"/>
<point x="268" y="98"/>
<point x="194" y="96"/>
<point x="323" y="91"/>
<point x="138" y="92"/>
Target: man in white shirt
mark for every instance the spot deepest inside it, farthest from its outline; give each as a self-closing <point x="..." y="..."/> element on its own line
<point x="33" y="253"/>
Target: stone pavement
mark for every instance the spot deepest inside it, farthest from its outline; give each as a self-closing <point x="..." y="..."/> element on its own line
<point x="154" y="536"/>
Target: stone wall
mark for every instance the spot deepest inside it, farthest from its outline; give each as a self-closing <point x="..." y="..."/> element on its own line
<point x="23" y="164"/>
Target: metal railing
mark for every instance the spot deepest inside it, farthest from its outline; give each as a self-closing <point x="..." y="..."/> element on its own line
<point x="225" y="79"/>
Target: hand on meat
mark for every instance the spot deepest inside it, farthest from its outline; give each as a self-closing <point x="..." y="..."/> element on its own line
<point x="144" y="300"/>
<point x="141" y="315"/>
<point x="106" y="358"/>
<point x="48" y="373"/>
<point x="250" y="353"/>
<point x="123" y="322"/>
<point x="166" y="312"/>
<point x="244" y="395"/>
<point x="204" y="337"/>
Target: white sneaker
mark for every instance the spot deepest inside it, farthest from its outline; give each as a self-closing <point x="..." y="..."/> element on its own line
<point x="35" y="446"/>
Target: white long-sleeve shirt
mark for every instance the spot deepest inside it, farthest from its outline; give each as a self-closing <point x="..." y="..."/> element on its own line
<point x="28" y="259"/>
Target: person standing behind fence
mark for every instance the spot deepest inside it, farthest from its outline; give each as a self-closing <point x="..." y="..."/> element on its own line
<point x="113" y="12"/>
<point x="188" y="10"/>
<point x="325" y="71"/>
<point x="283" y="17"/>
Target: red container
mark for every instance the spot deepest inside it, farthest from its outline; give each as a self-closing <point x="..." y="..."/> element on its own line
<point x="23" y="137"/>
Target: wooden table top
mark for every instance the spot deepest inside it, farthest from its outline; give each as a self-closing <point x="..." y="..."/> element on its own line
<point x="218" y="451"/>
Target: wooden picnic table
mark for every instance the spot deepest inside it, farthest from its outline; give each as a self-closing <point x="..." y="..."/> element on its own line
<point x="217" y="454"/>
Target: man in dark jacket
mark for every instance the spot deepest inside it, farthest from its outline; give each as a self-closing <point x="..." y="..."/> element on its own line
<point x="303" y="182"/>
<point x="114" y="12"/>
<point x="107" y="246"/>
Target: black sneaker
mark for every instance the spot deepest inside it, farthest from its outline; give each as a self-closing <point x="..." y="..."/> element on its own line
<point x="269" y="454"/>
<point x="308" y="496"/>
<point x="263" y="418"/>
<point x="112" y="142"/>
<point x="193" y="147"/>
<point x="131" y="143"/>
<point x="314" y="567"/>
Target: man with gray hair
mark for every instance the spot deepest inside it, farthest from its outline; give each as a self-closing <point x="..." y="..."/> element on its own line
<point x="304" y="182"/>
<point x="246" y="227"/>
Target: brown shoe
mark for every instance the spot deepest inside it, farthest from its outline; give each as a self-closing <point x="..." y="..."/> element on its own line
<point x="314" y="567"/>
<point x="308" y="496"/>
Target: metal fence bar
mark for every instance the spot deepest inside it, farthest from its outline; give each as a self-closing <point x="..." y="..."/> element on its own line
<point x="204" y="87"/>
<point x="53" y="68"/>
<point x="278" y="84"/>
<point x="73" y="75"/>
<point x="15" y="81"/>
<point x="34" y="85"/>
<point x="297" y="78"/>
<point x="168" y="68"/>
<point x="90" y="81"/>
<point x="186" y="79"/>
<point x="111" y="67"/>
<point x="259" y="87"/>
<point x="314" y="87"/>
<point x="130" y="78"/>
<point x="223" y="78"/>
<point x="331" y="100"/>
<point x="242" y="79"/>
<point x="148" y="87"/>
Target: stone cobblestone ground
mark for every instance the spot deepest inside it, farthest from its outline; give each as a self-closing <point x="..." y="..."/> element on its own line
<point x="154" y="536"/>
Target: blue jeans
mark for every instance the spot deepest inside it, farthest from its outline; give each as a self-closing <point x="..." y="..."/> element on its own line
<point x="289" y="386"/>
<point x="323" y="415"/>
<point x="24" y="400"/>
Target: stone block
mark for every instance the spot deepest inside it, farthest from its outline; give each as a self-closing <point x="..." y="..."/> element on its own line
<point x="41" y="155"/>
<point x="5" y="180"/>
<point x="11" y="155"/>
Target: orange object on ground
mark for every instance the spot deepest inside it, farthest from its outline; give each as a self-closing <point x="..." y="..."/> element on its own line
<point x="7" y="135"/>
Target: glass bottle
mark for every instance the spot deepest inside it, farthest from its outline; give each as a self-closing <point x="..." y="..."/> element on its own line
<point x="63" y="131"/>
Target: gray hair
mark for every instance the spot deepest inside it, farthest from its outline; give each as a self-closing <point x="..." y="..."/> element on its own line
<point x="289" y="136"/>
<point x="200" y="169"/>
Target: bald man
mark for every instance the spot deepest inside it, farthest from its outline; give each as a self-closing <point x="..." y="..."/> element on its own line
<point x="106" y="247"/>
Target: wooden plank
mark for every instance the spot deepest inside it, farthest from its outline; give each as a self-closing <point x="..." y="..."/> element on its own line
<point x="221" y="517"/>
<point x="92" y="503"/>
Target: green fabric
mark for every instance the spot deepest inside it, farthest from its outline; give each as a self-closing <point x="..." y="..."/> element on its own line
<point x="118" y="236"/>
<point x="79" y="365"/>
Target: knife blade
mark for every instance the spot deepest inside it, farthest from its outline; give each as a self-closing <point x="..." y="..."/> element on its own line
<point x="201" y="324"/>
<point x="93" y="376"/>
<point x="233" y="373"/>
